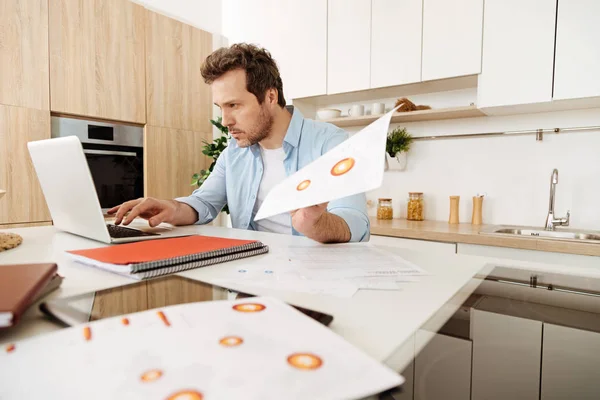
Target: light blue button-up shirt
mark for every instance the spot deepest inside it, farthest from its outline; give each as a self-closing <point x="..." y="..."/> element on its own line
<point x="236" y="178"/>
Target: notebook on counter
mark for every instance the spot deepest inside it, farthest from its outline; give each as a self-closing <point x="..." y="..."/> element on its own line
<point x="20" y="286"/>
<point x="149" y="259"/>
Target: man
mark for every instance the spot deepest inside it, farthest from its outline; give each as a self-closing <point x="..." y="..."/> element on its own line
<point x="269" y="145"/>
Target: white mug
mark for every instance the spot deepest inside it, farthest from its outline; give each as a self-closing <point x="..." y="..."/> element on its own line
<point x="377" y="108"/>
<point x="356" y="110"/>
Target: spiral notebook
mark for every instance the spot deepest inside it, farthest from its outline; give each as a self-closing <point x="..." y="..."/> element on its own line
<point x="148" y="259"/>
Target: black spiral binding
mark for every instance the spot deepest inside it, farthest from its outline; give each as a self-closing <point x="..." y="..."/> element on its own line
<point x="194" y="257"/>
<point x="200" y="263"/>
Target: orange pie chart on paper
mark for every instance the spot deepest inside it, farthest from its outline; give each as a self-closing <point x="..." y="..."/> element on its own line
<point x="151" y="375"/>
<point x="305" y="361"/>
<point x="249" y="307"/>
<point x="342" y="166"/>
<point x="186" y="395"/>
<point x="303" y="185"/>
<point x="231" y="341"/>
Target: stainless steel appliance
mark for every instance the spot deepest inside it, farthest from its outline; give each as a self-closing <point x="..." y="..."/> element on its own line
<point x="114" y="153"/>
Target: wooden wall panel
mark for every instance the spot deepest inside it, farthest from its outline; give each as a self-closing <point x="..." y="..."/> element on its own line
<point x="176" y="94"/>
<point x="97" y="66"/>
<point x="24" y="75"/>
<point x="172" y="156"/>
<point x="23" y="201"/>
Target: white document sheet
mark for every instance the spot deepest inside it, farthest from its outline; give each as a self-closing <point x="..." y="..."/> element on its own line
<point x="354" y="166"/>
<point x="253" y="348"/>
<point x="333" y="270"/>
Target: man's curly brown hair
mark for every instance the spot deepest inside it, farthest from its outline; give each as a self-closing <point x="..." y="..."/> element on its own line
<point x="261" y="69"/>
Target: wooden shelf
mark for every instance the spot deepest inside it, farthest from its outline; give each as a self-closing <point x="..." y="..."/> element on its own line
<point x="411" y="116"/>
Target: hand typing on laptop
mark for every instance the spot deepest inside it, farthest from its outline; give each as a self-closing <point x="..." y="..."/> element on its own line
<point x="155" y="211"/>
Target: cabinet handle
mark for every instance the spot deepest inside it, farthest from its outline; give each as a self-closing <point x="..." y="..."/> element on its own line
<point x="110" y="153"/>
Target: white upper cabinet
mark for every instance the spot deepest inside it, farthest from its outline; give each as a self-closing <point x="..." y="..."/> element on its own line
<point x="518" y="52"/>
<point x="349" y="45"/>
<point x="301" y="46"/>
<point x="294" y="32"/>
<point x="395" y="42"/>
<point x="451" y="38"/>
<point x="577" y="62"/>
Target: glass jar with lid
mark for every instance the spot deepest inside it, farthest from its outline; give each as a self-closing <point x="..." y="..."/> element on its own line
<point x="415" y="206"/>
<point x="385" y="209"/>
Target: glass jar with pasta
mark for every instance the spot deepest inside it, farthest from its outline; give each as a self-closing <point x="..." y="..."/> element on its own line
<point x="385" y="209"/>
<point x="415" y="206"/>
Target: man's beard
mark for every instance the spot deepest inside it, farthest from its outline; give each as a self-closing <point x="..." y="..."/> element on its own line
<point x="260" y="131"/>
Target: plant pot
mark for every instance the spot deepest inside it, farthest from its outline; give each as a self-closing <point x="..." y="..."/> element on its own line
<point x="397" y="163"/>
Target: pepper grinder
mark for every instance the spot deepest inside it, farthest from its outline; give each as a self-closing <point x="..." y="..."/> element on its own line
<point x="477" y="208"/>
<point x="454" y="217"/>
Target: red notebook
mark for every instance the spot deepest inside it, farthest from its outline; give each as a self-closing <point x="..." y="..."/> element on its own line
<point x="153" y="258"/>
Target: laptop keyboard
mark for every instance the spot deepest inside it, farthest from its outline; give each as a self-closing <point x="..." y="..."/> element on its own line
<point x="118" y="232"/>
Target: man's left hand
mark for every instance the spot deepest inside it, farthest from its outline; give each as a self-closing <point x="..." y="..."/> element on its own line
<point x="304" y="220"/>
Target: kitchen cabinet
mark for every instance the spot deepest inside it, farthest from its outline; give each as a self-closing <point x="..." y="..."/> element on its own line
<point x="177" y="290"/>
<point x="517" y="63"/>
<point x="506" y="356"/>
<point x="24" y="71"/>
<point x="452" y="33"/>
<point x="299" y="47"/>
<point x="97" y="59"/>
<point x="577" y="51"/>
<point x="495" y="253"/>
<point x="414" y="244"/>
<point x="396" y="27"/>
<point x="442" y="367"/>
<point x="23" y="201"/>
<point x="171" y="157"/>
<point x="176" y="95"/>
<point x="570" y="363"/>
<point x="348" y="45"/>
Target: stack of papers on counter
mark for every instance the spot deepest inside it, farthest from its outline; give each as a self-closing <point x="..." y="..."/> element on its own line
<point x="336" y="270"/>
<point x="257" y="348"/>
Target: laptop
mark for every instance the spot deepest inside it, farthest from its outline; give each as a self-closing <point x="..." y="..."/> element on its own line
<point x="70" y="194"/>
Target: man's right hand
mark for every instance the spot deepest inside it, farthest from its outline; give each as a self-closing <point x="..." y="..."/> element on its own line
<point x="153" y="210"/>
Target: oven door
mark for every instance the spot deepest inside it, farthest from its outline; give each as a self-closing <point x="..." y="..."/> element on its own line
<point x="117" y="172"/>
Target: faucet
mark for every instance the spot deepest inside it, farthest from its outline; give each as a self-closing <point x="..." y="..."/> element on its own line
<point x="551" y="221"/>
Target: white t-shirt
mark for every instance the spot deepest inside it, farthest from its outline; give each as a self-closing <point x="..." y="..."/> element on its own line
<point x="273" y="173"/>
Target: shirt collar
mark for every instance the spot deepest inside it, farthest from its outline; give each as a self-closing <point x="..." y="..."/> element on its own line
<point x="292" y="137"/>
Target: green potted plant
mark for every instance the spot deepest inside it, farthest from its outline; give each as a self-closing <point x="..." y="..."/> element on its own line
<point x="396" y="149"/>
<point x="213" y="150"/>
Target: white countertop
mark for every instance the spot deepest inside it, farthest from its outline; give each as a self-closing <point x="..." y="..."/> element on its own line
<point x="378" y="322"/>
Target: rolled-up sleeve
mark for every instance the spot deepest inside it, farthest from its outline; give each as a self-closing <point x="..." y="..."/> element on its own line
<point x="210" y="198"/>
<point x="352" y="209"/>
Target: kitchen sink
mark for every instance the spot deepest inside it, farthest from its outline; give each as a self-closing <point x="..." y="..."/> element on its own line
<point x="562" y="234"/>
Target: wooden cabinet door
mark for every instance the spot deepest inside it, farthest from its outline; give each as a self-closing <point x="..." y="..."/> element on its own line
<point x="570" y="363"/>
<point x="517" y="64"/>
<point x="97" y="59"/>
<point x="451" y="38"/>
<point x="577" y="49"/>
<point x="171" y="157"/>
<point x="176" y="94"/>
<point x="24" y="76"/>
<point x="23" y="201"/>
<point x="396" y="27"/>
<point x="348" y="45"/>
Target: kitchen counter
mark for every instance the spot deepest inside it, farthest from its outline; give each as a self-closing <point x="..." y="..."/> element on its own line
<point x="379" y="322"/>
<point x="466" y="233"/>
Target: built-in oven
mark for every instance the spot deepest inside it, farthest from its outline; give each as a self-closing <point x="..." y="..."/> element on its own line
<point x="114" y="153"/>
